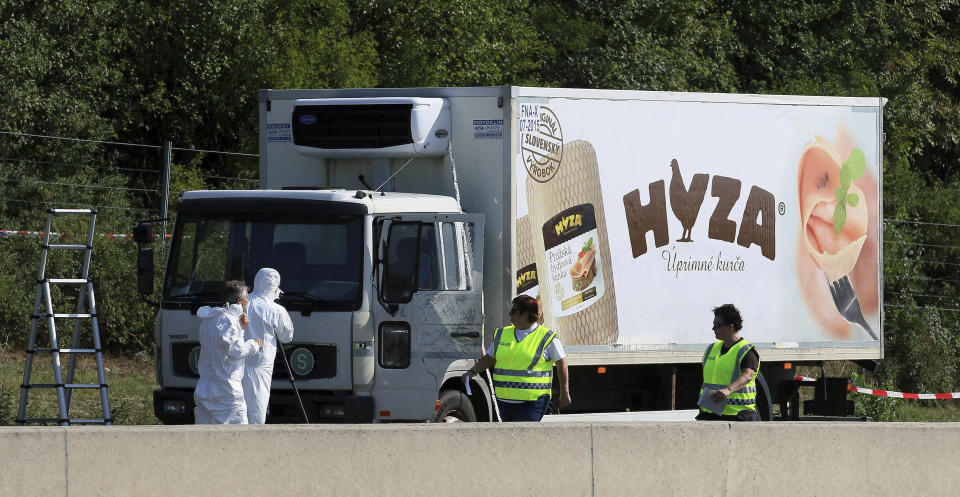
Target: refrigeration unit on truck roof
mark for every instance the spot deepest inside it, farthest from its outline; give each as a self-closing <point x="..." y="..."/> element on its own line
<point x="371" y="127"/>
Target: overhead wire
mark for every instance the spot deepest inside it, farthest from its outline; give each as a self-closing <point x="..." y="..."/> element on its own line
<point x="228" y="177"/>
<point x="85" y="140"/>
<point x="908" y="294"/>
<point x="922" y="307"/>
<point x="921" y="244"/>
<point x="905" y="277"/>
<point x="107" y="142"/>
<point x="40" y="202"/>
<point x="56" y="163"/>
<point x="921" y="223"/>
<point x="74" y="185"/>
<point x="110" y="168"/>
<point x="925" y="261"/>
<point x="244" y="154"/>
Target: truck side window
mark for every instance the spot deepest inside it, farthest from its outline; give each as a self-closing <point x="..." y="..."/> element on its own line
<point x="401" y="261"/>
<point x="429" y="276"/>
<point x="207" y="256"/>
<point x="466" y="234"/>
<point x="438" y="252"/>
<point x="451" y="259"/>
<point x="238" y="257"/>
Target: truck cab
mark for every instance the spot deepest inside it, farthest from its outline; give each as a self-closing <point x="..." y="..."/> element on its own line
<point x="384" y="291"/>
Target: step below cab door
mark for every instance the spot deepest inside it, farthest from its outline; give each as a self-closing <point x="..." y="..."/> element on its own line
<point x="429" y="283"/>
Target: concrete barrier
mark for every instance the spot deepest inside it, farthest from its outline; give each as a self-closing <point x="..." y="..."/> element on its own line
<point x="555" y="459"/>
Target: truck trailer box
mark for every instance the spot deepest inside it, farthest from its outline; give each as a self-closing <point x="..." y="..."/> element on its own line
<point x="628" y="214"/>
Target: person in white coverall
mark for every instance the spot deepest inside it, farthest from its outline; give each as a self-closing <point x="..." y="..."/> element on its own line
<point x="219" y="392"/>
<point x="268" y="322"/>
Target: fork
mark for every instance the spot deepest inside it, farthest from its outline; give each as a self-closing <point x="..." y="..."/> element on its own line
<point x="848" y="305"/>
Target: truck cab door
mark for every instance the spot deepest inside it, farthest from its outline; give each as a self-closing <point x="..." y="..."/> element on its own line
<point x="429" y="284"/>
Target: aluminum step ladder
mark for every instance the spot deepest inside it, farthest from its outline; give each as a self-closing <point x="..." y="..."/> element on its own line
<point x="43" y="310"/>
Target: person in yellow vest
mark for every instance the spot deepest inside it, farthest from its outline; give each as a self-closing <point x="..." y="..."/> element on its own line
<point x="730" y="368"/>
<point x="522" y="357"/>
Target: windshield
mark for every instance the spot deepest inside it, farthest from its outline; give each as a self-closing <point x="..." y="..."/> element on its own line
<point x="319" y="258"/>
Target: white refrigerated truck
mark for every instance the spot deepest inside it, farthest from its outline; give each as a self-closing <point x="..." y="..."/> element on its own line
<point x="403" y="221"/>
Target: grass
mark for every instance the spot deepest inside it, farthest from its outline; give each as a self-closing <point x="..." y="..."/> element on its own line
<point x="913" y="412"/>
<point x="130" y="384"/>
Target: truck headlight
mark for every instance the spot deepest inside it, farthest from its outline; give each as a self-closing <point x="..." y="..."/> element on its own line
<point x="330" y="410"/>
<point x="175" y="407"/>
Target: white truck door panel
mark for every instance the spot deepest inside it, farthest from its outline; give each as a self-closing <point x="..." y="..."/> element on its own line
<point x="440" y="322"/>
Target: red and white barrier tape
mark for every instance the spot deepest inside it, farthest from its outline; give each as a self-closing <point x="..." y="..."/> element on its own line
<point x="897" y="395"/>
<point x="904" y="395"/>
<point x="64" y="236"/>
<point x="29" y="233"/>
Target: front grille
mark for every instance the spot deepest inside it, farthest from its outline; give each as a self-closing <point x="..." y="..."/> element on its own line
<point x="324" y="361"/>
<point x="352" y="126"/>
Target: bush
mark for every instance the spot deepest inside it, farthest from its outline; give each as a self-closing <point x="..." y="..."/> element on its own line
<point x="922" y="352"/>
<point x="877" y="408"/>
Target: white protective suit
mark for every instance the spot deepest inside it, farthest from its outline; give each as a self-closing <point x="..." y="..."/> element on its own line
<point x="268" y="320"/>
<point x="219" y="392"/>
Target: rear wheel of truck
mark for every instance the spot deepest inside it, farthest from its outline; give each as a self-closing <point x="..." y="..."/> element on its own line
<point x="455" y="407"/>
<point x="764" y="404"/>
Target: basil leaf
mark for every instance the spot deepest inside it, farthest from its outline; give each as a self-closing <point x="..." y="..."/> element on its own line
<point x="856" y="163"/>
<point x="841" y="193"/>
<point x="853" y="199"/>
<point x="845" y="177"/>
<point x="839" y="218"/>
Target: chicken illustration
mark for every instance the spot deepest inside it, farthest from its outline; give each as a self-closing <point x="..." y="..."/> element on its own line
<point x="686" y="203"/>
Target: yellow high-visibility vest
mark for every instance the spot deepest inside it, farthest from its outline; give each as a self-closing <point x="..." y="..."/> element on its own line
<point x="521" y="372"/>
<point x="719" y="371"/>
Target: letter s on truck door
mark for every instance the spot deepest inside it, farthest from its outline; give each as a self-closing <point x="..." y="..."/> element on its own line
<point x="429" y="284"/>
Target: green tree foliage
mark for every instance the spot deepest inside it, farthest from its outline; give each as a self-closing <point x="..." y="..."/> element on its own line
<point x="452" y="43"/>
<point x="59" y="78"/>
<point x="672" y="45"/>
<point x="123" y="72"/>
<point x="317" y="48"/>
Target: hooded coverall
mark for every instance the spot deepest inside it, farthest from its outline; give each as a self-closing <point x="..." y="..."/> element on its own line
<point x="219" y="393"/>
<point x="268" y="321"/>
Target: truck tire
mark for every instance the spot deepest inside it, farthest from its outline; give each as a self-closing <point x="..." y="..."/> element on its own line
<point x="455" y="407"/>
<point x="764" y="404"/>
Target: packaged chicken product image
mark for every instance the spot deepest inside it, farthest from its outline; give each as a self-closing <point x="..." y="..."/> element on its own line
<point x="572" y="248"/>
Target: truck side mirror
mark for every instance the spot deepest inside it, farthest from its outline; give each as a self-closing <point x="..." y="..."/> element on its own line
<point x="145" y="270"/>
<point x="143" y="233"/>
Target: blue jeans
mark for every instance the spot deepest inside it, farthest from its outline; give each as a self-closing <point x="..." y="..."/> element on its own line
<point x="524" y="411"/>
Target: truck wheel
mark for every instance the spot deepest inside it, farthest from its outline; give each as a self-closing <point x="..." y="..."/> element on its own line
<point x="455" y="407"/>
<point x="764" y="405"/>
